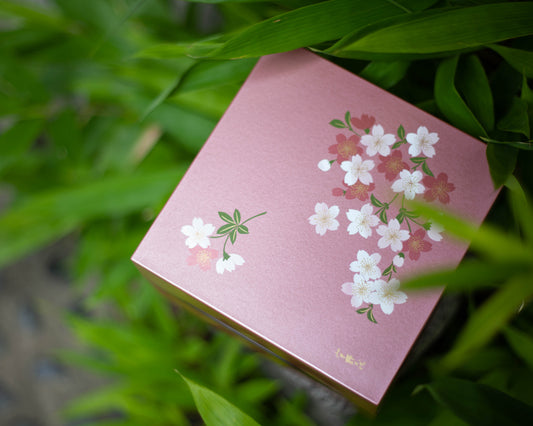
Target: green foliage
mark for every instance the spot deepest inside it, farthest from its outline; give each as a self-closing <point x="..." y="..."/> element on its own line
<point x="104" y="104"/>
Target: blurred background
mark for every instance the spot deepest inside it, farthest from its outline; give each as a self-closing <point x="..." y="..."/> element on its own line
<point x="103" y="106"/>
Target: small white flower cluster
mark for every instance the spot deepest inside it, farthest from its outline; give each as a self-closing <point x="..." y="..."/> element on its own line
<point x="198" y="234"/>
<point x="367" y="287"/>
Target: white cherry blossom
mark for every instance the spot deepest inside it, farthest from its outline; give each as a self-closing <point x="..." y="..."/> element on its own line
<point x="422" y="142"/>
<point x="229" y="264"/>
<point x="367" y="265"/>
<point x="398" y="260"/>
<point x="362" y="221"/>
<point x="357" y="169"/>
<point x="434" y="232"/>
<point x="324" y="218"/>
<point x="386" y="294"/>
<point x="378" y="141"/>
<point x="359" y="289"/>
<point x="198" y="233"/>
<point x="409" y="184"/>
<point x="324" y="165"/>
<point x="392" y="235"/>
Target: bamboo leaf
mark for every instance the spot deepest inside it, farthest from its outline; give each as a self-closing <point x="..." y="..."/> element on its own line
<point x="516" y="120"/>
<point x="520" y="60"/>
<point x="502" y="162"/>
<point x="307" y="26"/>
<point x="479" y="404"/>
<point x="473" y="84"/>
<point x="489" y="319"/>
<point x="521" y="343"/>
<point x="526" y="145"/>
<point x="215" y="410"/>
<point x="385" y="74"/>
<point x="438" y="31"/>
<point x="450" y="102"/>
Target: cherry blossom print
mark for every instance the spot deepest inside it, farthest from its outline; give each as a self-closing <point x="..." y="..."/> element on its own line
<point x="392" y="235"/>
<point x="198" y="234"/>
<point x="378" y="141"/>
<point x="345" y="148"/>
<point x="422" y="142"/>
<point x="398" y="260"/>
<point x="357" y="170"/>
<point x="364" y="122"/>
<point x="392" y="165"/>
<point x="409" y="184"/>
<point x="416" y="244"/>
<point x="229" y="264"/>
<point x="357" y="190"/>
<point x="324" y="218"/>
<point x="359" y="289"/>
<point x="366" y="265"/>
<point x="386" y="295"/>
<point x="362" y="221"/>
<point x="324" y="165"/>
<point x="434" y="232"/>
<point x="201" y="257"/>
<point x="438" y="188"/>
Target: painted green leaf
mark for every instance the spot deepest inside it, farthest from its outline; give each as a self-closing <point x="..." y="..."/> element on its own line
<point x="226" y="217"/>
<point x="370" y="316"/>
<point x="363" y="310"/>
<point x="397" y="144"/>
<point x="383" y="216"/>
<point x="418" y="160"/>
<point x="440" y="31"/>
<point x="385" y="74"/>
<point x="489" y="319"/>
<point x="472" y="82"/>
<point x="401" y="132"/>
<point x="516" y="120"/>
<point x="243" y="229"/>
<point x="337" y="123"/>
<point x="347" y="118"/>
<point x="522" y="344"/>
<point x="375" y="201"/>
<point x="479" y="404"/>
<point x="387" y="271"/>
<point x="520" y="60"/>
<point x="310" y="25"/>
<point x="233" y="236"/>
<point x="450" y="102"/>
<point x="502" y="162"/>
<point x="426" y="169"/>
<point x="400" y="217"/>
<point x="224" y="229"/>
<point x="237" y="216"/>
<point x="215" y="410"/>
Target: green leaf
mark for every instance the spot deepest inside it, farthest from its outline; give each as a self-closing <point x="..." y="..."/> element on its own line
<point x="526" y="145"/>
<point x="450" y="102"/>
<point x="521" y="207"/>
<point x="363" y="310"/>
<point x="472" y="82"/>
<point x="50" y="215"/>
<point x="383" y="216"/>
<point x="516" y="120"/>
<point x="215" y="410"/>
<point x="401" y="133"/>
<point x="478" y="404"/>
<point x="440" y="31"/>
<point x="418" y="160"/>
<point x="520" y="60"/>
<point x="370" y="316"/>
<point x="375" y="201"/>
<point x="385" y="74"/>
<point x="502" y="162"/>
<point x="15" y="142"/>
<point x="226" y="217"/>
<point x="426" y="170"/>
<point x="522" y="344"/>
<point x="489" y="319"/>
<point x="224" y="229"/>
<point x="398" y="144"/>
<point x="243" y="229"/>
<point x="306" y="26"/>
<point x="233" y="236"/>
<point x="347" y="118"/>
<point x="337" y="123"/>
<point x="400" y="217"/>
<point x="387" y="271"/>
<point x="237" y="216"/>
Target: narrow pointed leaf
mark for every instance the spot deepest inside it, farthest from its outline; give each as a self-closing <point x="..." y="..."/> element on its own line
<point x="375" y="201"/>
<point x="215" y="410"/>
<point x="516" y="120"/>
<point x="383" y="216"/>
<point x="479" y="404"/>
<point x="502" y="162"/>
<point x="337" y="123"/>
<point x="522" y="344"/>
<point x="226" y="217"/>
<point x="243" y="229"/>
<point x="370" y="316"/>
<point x="224" y="229"/>
<point x="520" y="60"/>
<point x="426" y="170"/>
<point x="526" y="145"/>
<point x="237" y="216"/>
<point x="233" y="236"/>
<point x="385" y="74"/>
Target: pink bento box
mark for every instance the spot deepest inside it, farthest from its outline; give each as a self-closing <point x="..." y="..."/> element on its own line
<point x="291" y="225"/>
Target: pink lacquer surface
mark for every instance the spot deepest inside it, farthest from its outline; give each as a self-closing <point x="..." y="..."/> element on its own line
<point x="262" y="157"/>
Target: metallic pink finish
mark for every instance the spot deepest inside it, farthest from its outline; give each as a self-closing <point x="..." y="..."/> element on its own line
<point x="263" y="156"/>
